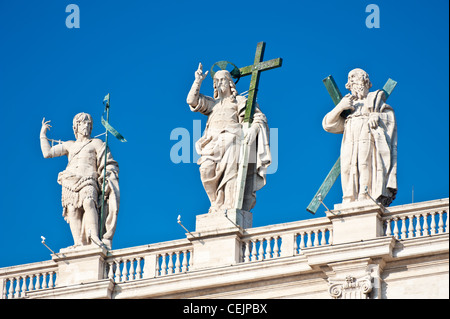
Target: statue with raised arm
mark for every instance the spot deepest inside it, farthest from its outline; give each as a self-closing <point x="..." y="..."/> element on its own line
<point x="219" y="147"/>
<point x="369" y="143"/>
<point x="81" y="182"/>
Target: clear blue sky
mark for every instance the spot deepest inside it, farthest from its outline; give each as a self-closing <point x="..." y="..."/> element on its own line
<point x="145" y="53"/>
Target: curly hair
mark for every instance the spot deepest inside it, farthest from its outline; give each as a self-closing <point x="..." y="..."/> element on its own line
<point x="81" y="117"/>
<point x="227" y="74"/>
<point x="365" y="77"/>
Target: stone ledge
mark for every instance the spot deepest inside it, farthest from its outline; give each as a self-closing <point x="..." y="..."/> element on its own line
<point x="101" y="289"/>
<point x="374" y="248"/>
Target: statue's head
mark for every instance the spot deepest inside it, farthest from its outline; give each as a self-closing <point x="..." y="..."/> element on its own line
<point x="82" y="124"/>
<point x="224" y="83"/>
<point x="358" y="83"/>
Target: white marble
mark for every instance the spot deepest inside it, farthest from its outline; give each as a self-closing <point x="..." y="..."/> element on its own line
<point x="219" y="147"/>
<point x="369" y="143"/>
<point x="82" y="181"/>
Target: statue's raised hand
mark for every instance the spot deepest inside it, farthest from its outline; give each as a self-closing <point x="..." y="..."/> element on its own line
<point x="199" y="75"/>
<point x="45" y="126"/>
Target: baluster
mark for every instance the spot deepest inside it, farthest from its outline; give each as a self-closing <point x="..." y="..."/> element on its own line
<point x="403" y="230"/>
<point x="170" y="265"/>
<point x="247" y="251"/>
<point x="44" y="280"/>
<point x="411" y="226"/>
<point x="388" y="228"/>
<point x="132" y="269"/>
<point x="261" y="249"/>
<point x="446" y="223"/>
<point x="396" y="227"/>
<point x="117" y="279"/>
<point x="323" y="240"/>
<point x="124" y="271"/>
<point x="302" y="240"/>
<point x="24" y="284"/>
<point x="157" y="266"/>
<point x="177" y="262"/>
<point x="254" y="250"/>
<point x="330" y="237"/>
<point x="10" y="290"/>
<point x="50" y="279"/>
<point x="191" y="259"/>
<point x="433" y="223"/>
<point x="30" y="284"/>
<point x="37" y="285"/>
<point x="163" y="264"/>
<point x="138" y="268"/>
<point x="316" y="238"/>
<point x="418" y="226"/>
<point x="295" y="243"/>
<point x="268" y="253"/>
<point x="276" y="248"/>
<point x="425" y="225"/>
<point x="16" y="293"/>
<point x="309" y="242"/>
<point x="441" y="222"/>
<point x="111" y="270"/>
<point x="185" y="262"/>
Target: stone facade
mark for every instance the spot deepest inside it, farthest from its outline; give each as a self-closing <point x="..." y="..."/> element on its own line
<point x="356" y="251"/>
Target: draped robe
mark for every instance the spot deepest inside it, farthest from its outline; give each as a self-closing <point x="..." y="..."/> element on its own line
<point x="219" y="150"/>
<point x="372" y="149"/>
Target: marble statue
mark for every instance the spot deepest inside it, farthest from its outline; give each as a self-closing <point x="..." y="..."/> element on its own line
<point x="369" y="143"/>
<point x="82" y="180"/>
<point x="219" y="147"/>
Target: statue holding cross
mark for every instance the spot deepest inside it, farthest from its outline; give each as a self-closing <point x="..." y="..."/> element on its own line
<point x="368" y="159"/>
<point x="234" y="149"/>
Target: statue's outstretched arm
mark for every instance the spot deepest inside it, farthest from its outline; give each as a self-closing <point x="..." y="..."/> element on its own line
<point x="192" y="98"/>
<point x="47" y="150"/>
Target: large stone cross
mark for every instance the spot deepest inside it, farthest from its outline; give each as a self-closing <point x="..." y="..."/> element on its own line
<point x="255" y="70"/>
<point x="336" y="96"/>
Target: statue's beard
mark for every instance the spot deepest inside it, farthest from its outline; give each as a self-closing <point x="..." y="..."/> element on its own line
<point x="359" y="91"/>
<point x="83" y="132"/>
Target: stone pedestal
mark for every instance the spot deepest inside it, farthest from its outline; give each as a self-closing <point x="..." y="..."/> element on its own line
<point x="221" y="220"/>
<point x="356" y="221"/>
<point x="81" y="265"/>
<point x="217" y="236"/>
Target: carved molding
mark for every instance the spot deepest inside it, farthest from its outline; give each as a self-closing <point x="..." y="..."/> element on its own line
<point x="350" y="287"/>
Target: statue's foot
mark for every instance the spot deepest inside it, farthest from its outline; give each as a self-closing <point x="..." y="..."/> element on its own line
<point x="362" y="197"/>
<point x="107" y="243"/>
<point x="212" y="210"/>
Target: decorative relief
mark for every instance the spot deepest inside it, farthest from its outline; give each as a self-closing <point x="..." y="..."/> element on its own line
<point x="350" y="287"/>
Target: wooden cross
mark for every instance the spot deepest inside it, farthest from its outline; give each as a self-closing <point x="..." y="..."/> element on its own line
<point x="336" y="96"/>
<point x="255" y="70"/>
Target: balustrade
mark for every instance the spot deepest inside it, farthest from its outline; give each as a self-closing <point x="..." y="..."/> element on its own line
<point x="416" y="224"/>
<point x="125" y="269"/>
<point x="18" y="285"/>
<point x="176" y="262"/>
<point x="272" y="242"/>
<point x="312" y="238"/>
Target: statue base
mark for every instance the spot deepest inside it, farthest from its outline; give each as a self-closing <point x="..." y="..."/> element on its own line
<point x="219" y="229"/>
<point x="221" y="220"/>
<point x="356" y="221"/>
<point x="79" y="265"/>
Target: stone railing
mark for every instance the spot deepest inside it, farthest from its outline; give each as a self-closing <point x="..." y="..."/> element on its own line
<point x="15" y="281"/>
<point x="149" y="261"/>
<point x="403" y="222"/>
<point x="283" y="240"/>
<point x="257" y="245"/>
